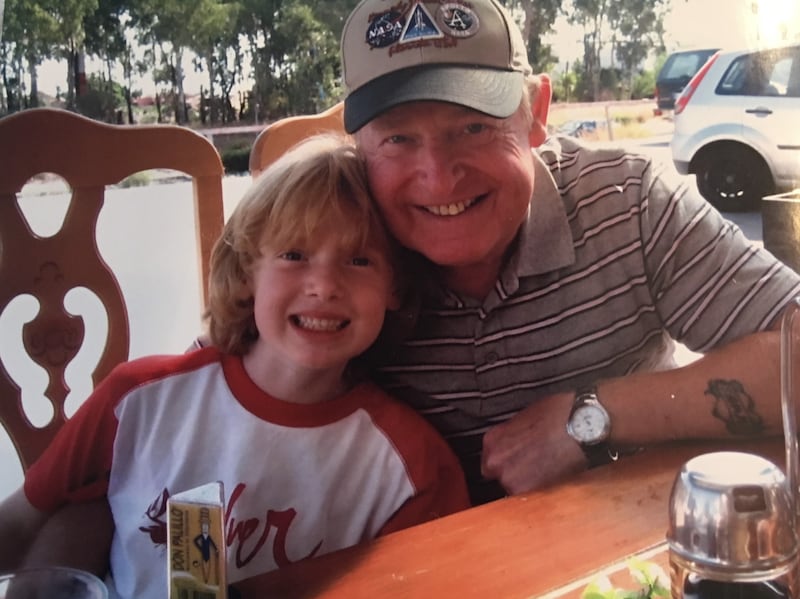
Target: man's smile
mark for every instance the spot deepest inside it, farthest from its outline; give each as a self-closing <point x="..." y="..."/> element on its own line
<point x="453" y="209"/>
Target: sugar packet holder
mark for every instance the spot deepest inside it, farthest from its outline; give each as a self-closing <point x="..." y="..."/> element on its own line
<point x="196" y="544"/>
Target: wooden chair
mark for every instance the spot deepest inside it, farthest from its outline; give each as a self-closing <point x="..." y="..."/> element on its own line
<point x="89" y="156"/>
<point x="281" y="135"/>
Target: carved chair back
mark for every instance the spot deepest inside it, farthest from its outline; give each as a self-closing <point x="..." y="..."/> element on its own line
<point x="89" y="156"/>
<point x="281" y="135"/>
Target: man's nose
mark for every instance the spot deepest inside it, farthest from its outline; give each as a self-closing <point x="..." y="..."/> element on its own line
<point x="439" y="166"/>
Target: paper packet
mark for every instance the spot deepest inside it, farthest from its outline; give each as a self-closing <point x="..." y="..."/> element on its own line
<point x="196" y="543"/>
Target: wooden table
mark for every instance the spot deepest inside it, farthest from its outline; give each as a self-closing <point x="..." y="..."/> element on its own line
<point x="548" y="543"/>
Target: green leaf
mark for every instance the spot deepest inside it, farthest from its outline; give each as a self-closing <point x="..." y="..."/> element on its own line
<point x="654" y="584"/>
<point x="599" y="588"/>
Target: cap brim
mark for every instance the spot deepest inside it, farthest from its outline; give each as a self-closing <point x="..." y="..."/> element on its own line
<point x="491" y="91"/>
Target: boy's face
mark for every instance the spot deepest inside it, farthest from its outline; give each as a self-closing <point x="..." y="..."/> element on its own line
<point x="318" y="304"/>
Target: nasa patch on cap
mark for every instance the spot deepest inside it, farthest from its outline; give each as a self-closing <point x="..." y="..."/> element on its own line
<point x="464" y="52"/>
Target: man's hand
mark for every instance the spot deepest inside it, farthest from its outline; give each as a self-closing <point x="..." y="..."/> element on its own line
<point x="732" y="392"/>
<point x="533" y="449"/>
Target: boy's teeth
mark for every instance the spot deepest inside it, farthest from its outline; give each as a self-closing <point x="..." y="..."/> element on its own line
<point x="320" y="324"/>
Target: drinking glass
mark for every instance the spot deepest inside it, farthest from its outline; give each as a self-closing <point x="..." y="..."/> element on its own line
<point x="51" y="583"/>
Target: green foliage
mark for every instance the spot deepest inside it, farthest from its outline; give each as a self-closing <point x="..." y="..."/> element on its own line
<point x="653" y="584"/>
<point x="332" y="14"/>
<point x="236" y="159"/>
<point x="538" y="19"/>
<point x="564" y="86"/>
<point x="637" y="27"/>
<point x="35" y="30"/>
<point x="102" y="100"/>
<point x="136" y="180"/>
<point x="277" y="57"/>
<point x="644" y="84"/>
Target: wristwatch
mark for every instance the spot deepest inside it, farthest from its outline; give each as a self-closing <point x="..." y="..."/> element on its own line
<point x="590" y="425"/>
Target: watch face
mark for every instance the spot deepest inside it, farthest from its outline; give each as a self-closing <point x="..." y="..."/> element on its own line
<point x="588" y="424"/>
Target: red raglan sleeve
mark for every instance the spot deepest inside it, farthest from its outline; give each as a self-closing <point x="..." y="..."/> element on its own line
<point x="76" y="466"/>
<point x="434" y="470"/>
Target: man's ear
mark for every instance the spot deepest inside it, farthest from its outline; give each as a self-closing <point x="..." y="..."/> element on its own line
<point x="540" y="109"/>
<point x="395" y="300"/>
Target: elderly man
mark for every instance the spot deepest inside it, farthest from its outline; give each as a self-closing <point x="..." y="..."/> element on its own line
<point x="561" y="274"/>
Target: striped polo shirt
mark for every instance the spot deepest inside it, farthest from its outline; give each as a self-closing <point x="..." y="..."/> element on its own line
<point x="617" y="258"/>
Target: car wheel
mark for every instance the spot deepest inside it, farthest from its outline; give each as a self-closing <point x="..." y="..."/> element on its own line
<point x="732" y="179"/>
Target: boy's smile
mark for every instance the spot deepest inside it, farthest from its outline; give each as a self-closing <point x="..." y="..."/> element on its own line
<point x="312" y="323"/>
<point x="317" y="305"/>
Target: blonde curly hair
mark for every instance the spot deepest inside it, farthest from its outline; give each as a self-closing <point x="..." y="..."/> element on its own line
<point x="319" y="183"/>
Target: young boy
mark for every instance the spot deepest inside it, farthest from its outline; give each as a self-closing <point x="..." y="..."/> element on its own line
<point x="312" y="458"/>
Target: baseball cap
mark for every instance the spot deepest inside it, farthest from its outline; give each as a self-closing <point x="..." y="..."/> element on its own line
<point x="468" y="52"/>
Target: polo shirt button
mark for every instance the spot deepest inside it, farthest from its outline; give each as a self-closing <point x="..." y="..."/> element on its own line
<point x="491" y="358"/>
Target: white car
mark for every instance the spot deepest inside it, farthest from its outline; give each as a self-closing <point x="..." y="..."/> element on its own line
<point x="737" y="126"/>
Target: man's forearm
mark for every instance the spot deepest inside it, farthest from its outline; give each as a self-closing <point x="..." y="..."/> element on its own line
<point x="732" y="392"/>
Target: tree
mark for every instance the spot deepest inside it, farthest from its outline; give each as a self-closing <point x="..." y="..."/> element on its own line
<point x="165" y="25"/>
<point x="101" y="100"/>
<point x="213" y="27"/>
<point x="306" y="57"/>
<point x="539" y="17"/>
<point x="30" y="36"/>
<point x="69" y="16"/>
<point x="294" y="57"/>
<point x="591" y="15"/>
<point x="257" y="22"/>
<point x="332" y="14"/>
<point x="637" y="26"/>
<point x="106" y="38"/>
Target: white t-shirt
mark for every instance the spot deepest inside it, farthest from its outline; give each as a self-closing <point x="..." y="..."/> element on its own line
<point x="300" y="480"/>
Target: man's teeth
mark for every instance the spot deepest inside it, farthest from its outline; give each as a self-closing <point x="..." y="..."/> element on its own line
<point x="320" y="324"/>
<point x="450" y="209"/>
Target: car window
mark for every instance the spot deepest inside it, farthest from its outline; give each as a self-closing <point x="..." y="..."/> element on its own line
<point x="793" y="85"/>
<point x="767" y="73"/>
<point x="681" y="65"/>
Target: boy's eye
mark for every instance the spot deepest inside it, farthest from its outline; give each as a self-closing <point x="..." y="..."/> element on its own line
<point x="291" y="255"/>
<point x="361" y="261"/>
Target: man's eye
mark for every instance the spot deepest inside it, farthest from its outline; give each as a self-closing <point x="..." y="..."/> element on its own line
<point x="480" y="132"/>
<point x="477" y="134"/>
<point x="361" y="261"/>
<point x="394" y="146"/>
<point x="292" y="256"/>
<point x="476" y="128"/>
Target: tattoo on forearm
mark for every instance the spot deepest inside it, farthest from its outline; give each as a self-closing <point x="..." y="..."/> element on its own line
<point x="735" y="408"/>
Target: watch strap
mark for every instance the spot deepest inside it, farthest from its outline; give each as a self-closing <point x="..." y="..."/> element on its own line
<point x="599" y="454"/>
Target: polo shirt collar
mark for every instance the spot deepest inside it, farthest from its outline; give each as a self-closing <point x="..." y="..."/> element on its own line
<point x="543" y="243"/>
<point x="545" y="239"/>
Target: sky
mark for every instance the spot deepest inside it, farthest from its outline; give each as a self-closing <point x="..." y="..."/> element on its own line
<point x="691" y="23"/>
<point x="705" y="24"/>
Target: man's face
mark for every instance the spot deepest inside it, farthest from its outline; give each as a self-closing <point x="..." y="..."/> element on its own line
<point x="452" y="183"/>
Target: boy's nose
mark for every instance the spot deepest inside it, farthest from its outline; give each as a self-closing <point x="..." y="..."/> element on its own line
<point x="325" y="283"/>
